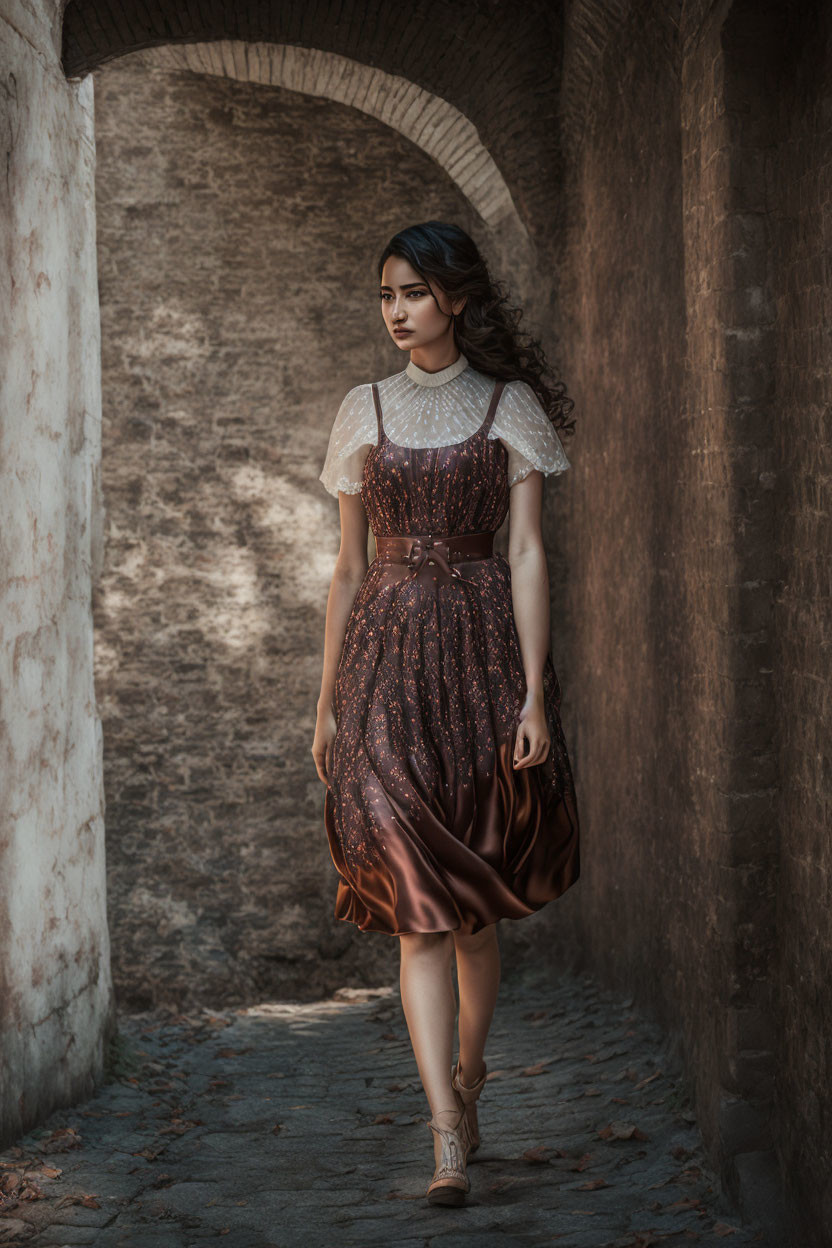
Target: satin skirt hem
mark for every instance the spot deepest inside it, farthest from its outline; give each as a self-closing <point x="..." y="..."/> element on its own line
<point x="347" y="913"/>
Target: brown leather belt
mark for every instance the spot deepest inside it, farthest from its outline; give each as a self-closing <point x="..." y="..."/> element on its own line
<point x="429" y="556"/>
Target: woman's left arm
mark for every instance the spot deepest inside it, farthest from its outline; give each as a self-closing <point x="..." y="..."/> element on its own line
<point x="530" y="598"/>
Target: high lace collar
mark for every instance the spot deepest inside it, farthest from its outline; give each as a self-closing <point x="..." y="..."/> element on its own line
<point x="422" y="378"/>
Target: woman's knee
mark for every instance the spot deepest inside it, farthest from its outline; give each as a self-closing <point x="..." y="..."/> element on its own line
<point x="425" y="943"/>
<point x="470" y="942"/>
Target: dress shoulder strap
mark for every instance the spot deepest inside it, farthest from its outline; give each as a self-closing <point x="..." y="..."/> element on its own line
<point x="492" y="407"/>
<point x="377" y="402"/>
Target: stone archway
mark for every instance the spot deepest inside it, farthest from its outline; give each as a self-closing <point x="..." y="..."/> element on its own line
<point x="432" y="123"/>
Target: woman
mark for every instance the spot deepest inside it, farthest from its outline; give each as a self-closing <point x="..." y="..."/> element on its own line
<point x="450" y="802"/>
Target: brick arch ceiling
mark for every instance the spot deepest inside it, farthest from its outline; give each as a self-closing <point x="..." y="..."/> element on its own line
<point x="433" y="124"/>
<point x="496" y="63"/>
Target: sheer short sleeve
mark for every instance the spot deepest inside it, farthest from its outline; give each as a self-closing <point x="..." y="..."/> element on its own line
<point x="354" y="431"/>
<point x="530" y="437"/>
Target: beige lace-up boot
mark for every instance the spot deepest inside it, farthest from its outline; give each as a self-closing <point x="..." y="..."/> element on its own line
<point x="450" y="1181"/>
<point x="469" y="1096"/>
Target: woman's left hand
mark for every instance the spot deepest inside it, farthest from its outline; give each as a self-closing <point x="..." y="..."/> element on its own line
<point x="532" y="732"/>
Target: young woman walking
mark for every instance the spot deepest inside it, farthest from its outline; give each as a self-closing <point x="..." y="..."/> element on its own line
<point x="450" y="802"/>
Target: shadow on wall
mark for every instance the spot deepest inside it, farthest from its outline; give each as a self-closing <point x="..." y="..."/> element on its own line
<point x="238" y="305"/>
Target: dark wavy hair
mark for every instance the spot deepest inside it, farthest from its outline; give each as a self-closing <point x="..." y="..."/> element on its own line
<point x="487" y="330"/>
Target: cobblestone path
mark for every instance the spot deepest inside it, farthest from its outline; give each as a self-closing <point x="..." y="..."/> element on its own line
<point x="296" y="1126"/>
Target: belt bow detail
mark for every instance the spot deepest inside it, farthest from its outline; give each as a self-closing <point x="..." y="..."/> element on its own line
<point x="430" y="558"/>
<point x="424" y="550"/>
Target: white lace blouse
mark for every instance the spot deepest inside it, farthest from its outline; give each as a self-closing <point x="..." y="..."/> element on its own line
<point x="421" y="409"/>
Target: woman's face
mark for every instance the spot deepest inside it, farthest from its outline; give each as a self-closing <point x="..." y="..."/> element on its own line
<point x="410" y="313"/>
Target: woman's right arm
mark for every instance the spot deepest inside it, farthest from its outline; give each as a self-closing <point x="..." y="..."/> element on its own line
<point x="350" y="570"/>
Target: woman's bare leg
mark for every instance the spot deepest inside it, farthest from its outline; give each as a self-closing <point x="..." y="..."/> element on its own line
<point x="478" y="976"/>
<point x="429" y="1004"/>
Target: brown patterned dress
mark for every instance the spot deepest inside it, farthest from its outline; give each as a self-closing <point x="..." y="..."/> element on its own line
<point x="429" y="825"/>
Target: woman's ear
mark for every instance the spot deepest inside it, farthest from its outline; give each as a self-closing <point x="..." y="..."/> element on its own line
<point x="459" y="304"/>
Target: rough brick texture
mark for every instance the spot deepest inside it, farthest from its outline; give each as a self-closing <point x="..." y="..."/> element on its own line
<point x="238" y="305"/>
<point x="667" y="322"/>
<point x="800" y="100"/>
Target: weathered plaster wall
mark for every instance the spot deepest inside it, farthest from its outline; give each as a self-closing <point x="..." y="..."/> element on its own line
<point x="55" y="988"/>
<point x="238" y="227"/>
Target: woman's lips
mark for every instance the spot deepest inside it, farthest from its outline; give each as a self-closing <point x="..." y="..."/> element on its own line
<point x="401" y="332"/>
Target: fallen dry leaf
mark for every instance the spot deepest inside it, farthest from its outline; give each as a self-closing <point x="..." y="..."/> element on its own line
<point x="538" y="1069"/>
<point x="582" y="1162"/>
<point x="680" y="1152"/>
<point x="383" y="1118"/>
<point x="60" y="1141"/>
<point x="622" y="1131"/>
<point x="30" y="1191"/>
<point x="149" y="1154"/>
<point x="536" y="1155"/>
<point x="592" y="1184"/>
<point x="79" y="1198"/>
<point x="164" y="1180"/>
<point x="686" y="1202"/>
<point x="178" y="1127"/>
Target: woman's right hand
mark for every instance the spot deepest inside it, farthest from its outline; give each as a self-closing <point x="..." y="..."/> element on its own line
<point x="325" y="728"/>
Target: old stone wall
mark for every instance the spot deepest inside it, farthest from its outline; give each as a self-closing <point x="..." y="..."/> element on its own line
<point x="666" y="316"/>
<point x="55" y="987"/>
<point x="627" y="616"/>
<point x="238" y="227"/>
<point x="800" y="95"/>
